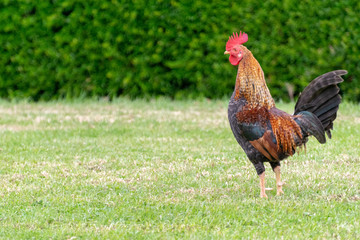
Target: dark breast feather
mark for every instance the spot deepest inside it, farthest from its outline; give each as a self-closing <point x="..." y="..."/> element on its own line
<point x="252" y="131"/>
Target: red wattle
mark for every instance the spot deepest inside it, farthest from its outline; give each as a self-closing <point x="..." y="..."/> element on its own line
<point x="234" y="60"/>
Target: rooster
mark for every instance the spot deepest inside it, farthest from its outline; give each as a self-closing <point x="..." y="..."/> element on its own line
<point x="266" y="133"/>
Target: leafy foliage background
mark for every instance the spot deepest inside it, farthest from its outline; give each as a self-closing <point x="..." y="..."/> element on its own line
<point x="72" y="48"/>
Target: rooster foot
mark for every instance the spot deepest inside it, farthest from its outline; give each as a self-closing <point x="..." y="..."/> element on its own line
<point x="279" y="190"/>
<point x="263" y="194"/>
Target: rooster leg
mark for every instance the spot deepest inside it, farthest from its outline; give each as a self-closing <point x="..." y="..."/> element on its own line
<point x="279" y="184"/>
<point x="262" y="186"/>
<point x="260" y="170"/>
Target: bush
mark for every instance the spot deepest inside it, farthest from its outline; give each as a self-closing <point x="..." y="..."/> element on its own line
<point x="72" y="48"/>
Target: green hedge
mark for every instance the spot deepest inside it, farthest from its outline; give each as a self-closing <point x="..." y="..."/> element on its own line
<point x="74" y="48"/>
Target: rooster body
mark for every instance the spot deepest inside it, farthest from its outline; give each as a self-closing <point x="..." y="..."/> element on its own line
<point x="266" y="133"/>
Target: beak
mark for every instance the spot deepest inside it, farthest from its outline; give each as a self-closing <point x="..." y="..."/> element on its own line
<point x="226" y="52"/>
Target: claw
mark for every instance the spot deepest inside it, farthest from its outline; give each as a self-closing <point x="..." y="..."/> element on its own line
<point x="263" y="195"/>
<point x="279" y="192"/>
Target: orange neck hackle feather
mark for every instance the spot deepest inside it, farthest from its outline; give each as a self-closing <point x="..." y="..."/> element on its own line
<point x="250" y="82"/>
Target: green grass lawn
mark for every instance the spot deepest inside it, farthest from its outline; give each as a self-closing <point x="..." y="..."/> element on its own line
<point x="165" y="169"/>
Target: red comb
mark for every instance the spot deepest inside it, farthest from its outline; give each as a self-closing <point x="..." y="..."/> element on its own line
<point x="236" y="39"/>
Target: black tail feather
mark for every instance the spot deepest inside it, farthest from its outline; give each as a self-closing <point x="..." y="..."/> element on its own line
<point x="326" y="95"/>
<point x="330" y="106"/>
<point x="310" y="125"/>
<point x="321" y="97"/>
